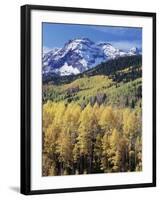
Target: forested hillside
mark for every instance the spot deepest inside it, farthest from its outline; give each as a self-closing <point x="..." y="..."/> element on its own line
<point x="120" y="87"/>
<point x="92" y="121"/>
<point x="96" y="139"/>
<point x="107" y="68"/>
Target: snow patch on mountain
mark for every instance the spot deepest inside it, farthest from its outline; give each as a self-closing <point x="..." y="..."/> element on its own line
<point x="66" y="70"/>
<point x="134" y="51"/>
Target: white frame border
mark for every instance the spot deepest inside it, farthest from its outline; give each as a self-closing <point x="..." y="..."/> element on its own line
<point x="41" y="183"/>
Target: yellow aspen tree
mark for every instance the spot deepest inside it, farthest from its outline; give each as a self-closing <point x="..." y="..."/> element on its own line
<point x="114" y="155"/>
<point x="105" y="153"/>
<point x="64" y="151"/>
<point x="107" y="120"/>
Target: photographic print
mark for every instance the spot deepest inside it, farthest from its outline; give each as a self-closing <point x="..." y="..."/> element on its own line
<point x="88" y="99"/>
<point x="92" y="99"/>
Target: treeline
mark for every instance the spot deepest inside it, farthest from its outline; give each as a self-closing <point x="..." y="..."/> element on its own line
<point x="109" y="67"/>
<point x="97" y="89"/>
<point x="96" y="139"/>
<point x="112" y="66"/>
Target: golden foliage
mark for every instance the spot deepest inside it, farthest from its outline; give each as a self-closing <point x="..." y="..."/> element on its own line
<point x="91" y="140"/>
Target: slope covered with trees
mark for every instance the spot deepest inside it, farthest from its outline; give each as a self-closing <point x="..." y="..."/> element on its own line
<point x="107" y="68"/>
<point x="96" y="139"/>
<point x="92" y="121"/>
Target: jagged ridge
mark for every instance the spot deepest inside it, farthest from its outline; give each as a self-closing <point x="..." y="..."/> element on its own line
<point x="79" y="55"/>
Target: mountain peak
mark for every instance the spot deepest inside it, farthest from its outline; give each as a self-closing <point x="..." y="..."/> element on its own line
<point x="80" y="41"/>
<point x="79" y="55"/>
<point x="134" y="50"/>
<point x="104" y="43"/>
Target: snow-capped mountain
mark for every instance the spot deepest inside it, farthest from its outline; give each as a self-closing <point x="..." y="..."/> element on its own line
<point x="79" y="55"/>
<point x="134" y="51"/>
